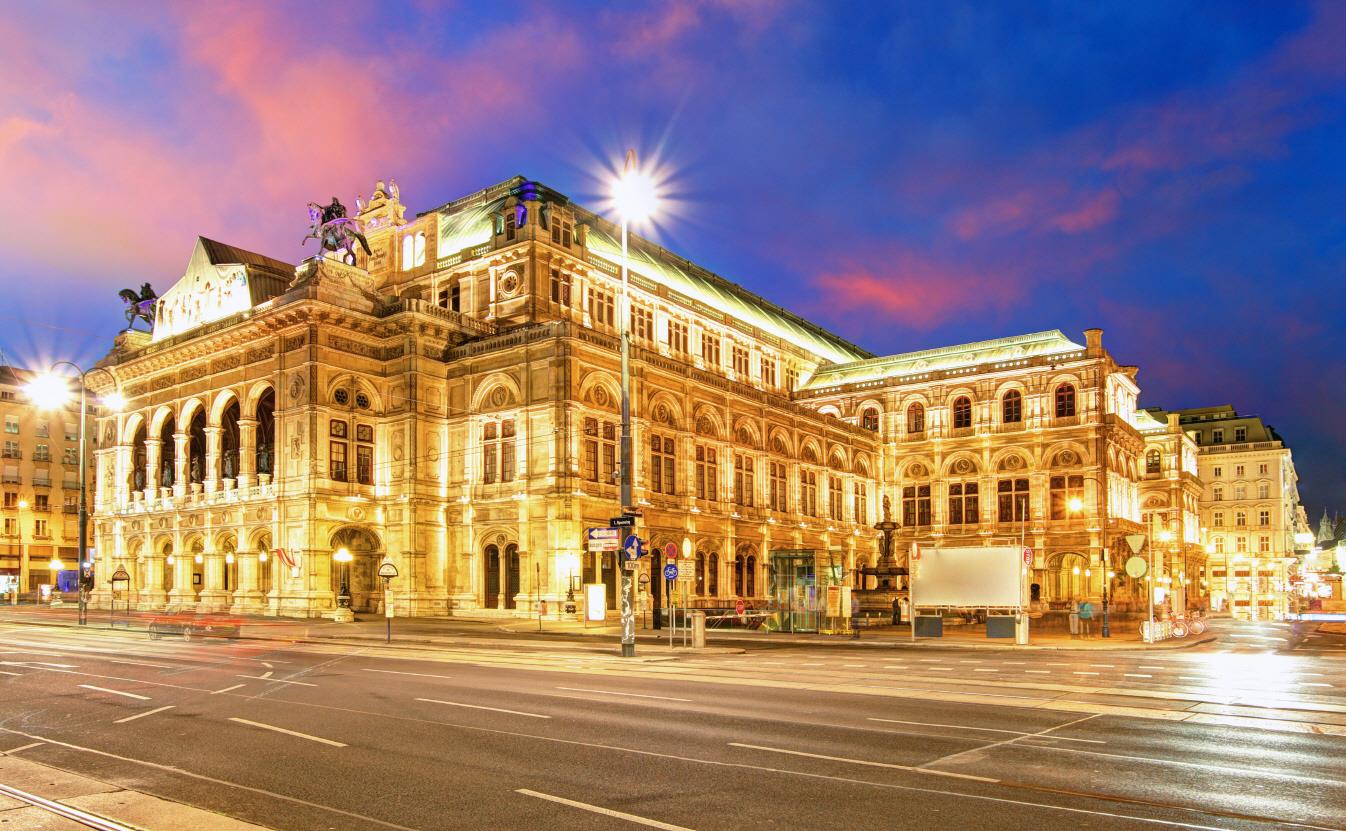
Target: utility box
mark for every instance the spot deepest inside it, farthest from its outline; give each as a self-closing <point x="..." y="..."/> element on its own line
<point x="1021" y="630"/>
<point x="1001" y="626"/>
<point x="929" y="626"/>
<point x="698" y="630"/>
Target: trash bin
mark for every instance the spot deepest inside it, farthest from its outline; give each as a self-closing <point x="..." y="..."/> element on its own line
<point x="698" y="630"/>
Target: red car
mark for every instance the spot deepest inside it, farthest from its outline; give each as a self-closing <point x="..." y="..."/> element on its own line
<point x="195" y="625"/>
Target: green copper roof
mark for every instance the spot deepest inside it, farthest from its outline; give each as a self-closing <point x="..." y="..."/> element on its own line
<point x="467" y="223"/>
<point x="1001" y="350"/>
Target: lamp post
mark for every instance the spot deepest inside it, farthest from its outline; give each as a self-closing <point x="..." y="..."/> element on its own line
<point x="1075" y="505"/>
<point x="55" y="566"/>
<point x="343" y="555"/>
<point x="23" y="556"/>
<point x="634" y="198"/>
<point x="50" y="391"/>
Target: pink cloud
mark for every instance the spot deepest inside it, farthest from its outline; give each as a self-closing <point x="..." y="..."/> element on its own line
<point x="1095" y="212"/>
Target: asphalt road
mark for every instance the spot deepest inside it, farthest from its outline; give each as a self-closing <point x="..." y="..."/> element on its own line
<point x="1248" y="733"/>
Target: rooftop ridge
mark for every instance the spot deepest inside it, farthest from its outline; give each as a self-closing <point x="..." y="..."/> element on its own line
<point x="941" y="351"/>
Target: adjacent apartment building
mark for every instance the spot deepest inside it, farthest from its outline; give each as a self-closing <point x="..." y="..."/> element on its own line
<point x="39" y="464"/>
<point x="1249" y="509"/>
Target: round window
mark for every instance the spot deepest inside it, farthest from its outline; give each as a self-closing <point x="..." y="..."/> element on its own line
<point x="342" y="397"/>
<point x="362" y="401"/>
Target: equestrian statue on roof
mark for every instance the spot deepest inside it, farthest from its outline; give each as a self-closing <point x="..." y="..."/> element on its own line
<point x="335" y="231"/>
<point x="139" y="305"/>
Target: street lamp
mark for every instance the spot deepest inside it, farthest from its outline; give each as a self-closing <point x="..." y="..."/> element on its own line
<point x="343" y="555"/>
<point x="52" y="391"/>
<point x="634" y="196"/>
<point x="55" y="565"/>
<point x="1075" y="505"/>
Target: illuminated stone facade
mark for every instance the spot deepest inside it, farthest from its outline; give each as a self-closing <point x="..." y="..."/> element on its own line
<point x="451" y="404"/>
<point x="997" y="441"/>
<point x="1249" y="508"/>
<point x="40" y="465"/>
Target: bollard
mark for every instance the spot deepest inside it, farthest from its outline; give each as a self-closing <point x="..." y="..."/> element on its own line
<point x="698" y="630"/>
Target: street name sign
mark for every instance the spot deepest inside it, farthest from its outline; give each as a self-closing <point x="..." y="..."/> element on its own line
<point x="623" y="521"/>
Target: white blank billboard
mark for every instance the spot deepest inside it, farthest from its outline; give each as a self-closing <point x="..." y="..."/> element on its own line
<point x="974" y="577"/>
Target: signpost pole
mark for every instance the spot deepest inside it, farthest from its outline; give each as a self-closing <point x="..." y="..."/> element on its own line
<point x="387" y="571"/>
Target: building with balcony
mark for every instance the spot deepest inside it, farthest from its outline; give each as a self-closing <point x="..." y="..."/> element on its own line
<point x="1027" y="440"/>
<point x="39" y="486"/>
<point x="1249" y="508"/>
<point x="1170" y="500"/>
<point x="451" y="403"/>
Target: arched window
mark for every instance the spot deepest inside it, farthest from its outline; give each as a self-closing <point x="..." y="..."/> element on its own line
<point x="1065" y="401"/>
<point x="738" y="577"/>
<point x="962" y="412"/>
<point x="870" y="419"/>
<point x="713" y="575"/>
<point x="751" y="570"/>
<point x="700" y="573"/>
<point x="1152" y="463"/>
<point x="1012" y="407"/>
<point x="916" y="419"/>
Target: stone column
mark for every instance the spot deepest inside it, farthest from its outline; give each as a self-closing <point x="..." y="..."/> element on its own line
<point x="183" y="592"/>
<point x="247" y="455"/>
<point x="150" y="595"/>
<point x="214" y="597"/>
<point x="247" y="595"/>
<point x="153" y="455"/>
<point x="180" y="464"/>
<point x="211" y="478"/>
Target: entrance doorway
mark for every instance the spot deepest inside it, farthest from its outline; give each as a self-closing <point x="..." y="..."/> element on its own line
<point x="502" y="576"/>
<point x="361" y="573"/>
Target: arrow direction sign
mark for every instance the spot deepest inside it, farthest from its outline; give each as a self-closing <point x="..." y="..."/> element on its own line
<point x="604" y="539"/>
<point x="633" y="548"/>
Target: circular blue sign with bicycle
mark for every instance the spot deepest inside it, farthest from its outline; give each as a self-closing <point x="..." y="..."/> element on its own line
<point x="670" y="572"/>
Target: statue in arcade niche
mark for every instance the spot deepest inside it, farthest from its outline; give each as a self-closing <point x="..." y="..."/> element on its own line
<point x="334" y="231"/>
<point x="139" y="306"/>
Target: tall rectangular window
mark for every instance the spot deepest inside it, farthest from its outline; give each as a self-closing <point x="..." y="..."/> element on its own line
<point x="791" y="379"/>
<point x="662" y="465"/>
<point x="916" y="505"/>
<point x="1264" y="518"/>
<point x="777" y="496"/>
<point x="860" y="495"/>
<point x="808" y="493"/>
<point x="1263" y="490"/>
<point x="364" y="464"/>
<point x="1012" y="500"/>
<point x="40" y="528"/>
<point x="740" y="360"/>
<point x="600" y="450"/>
<point x="11" y="500"/>
<point x="743" y="480"/>
<point x="642" y="323"/>
<point x="601" y="305"/>
<point x="1217" y="519"/>
<point x="707" y="473"/>
<point x="11" y="424"/>
<point x="963" y="508"/>
<point x="489" y="449"/>
<point x="1264" y="545"/>
<point x="1240" y="434"/>
<point x="768" y="372"/>
<point x="560" y="287"/>
<point x="337" y="461"/>
<point x="1063" y="489"/>
<point x="677" y="337"/>
<point x="507" y="450"/>
<point x="710" y="350"/>
<point x="835" y="498"/>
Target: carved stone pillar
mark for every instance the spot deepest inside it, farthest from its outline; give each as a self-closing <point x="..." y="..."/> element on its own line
<point x="181" y="444"/>
<point x="150" y="594"/>
<point x="212" y="472"/>
<point x="183" y="592"/>
<point x="214" y="597"/>
<point x="247" y="453"/>
<point x="153" y="455"/>
<point x="248" y="598"/>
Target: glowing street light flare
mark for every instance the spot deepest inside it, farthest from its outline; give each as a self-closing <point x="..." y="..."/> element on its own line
<point x="1075" y="504"/>
<point x="48" y="391"/>
<point x="634" y="194"/>
<point x="114" y="402"/>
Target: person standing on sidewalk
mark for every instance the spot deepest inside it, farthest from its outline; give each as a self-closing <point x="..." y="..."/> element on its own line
<point x="1074" y="618"/>
<point x="1086" y="614"/>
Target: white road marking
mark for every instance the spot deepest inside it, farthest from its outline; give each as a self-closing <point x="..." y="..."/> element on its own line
<point x="1142" y="666"/>
<point x="985" y="670"/>
<point x="276" y="680"/>
<point x="1084" y="672"/>
<point x="23" y="747"/>
<point x="399" y="672"/>
<point x="142" y="715"/>
<point x="894" y="666"/>
<point x="630" y="695"/>
<point x="318" y="739"/>
<point x="607" y="812"/>
<point x="811" y="665"/>
<point x="1039" y="734"/>
<point x="227" y="689"/>
<point x="480" y="707"/>
<point x="138" y="663"/>
<point x="37" y="664"/>
<point x="1313" y="684"/>
<point x="1191" y="678"/>
<point x="1104" y="666"/>
<point x="940" y="669"/>
<point x="984" y="730"/>
<point x="115" y="692"/>
<point x="1039" y="671"/>
<point x="7" y="672"/>
<point x="853" y="666"/>
<point x="865" y="762"/>
<point x="1137" y="674"/>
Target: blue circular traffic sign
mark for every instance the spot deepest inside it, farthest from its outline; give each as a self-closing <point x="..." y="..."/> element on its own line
<point x="670" y="572"/>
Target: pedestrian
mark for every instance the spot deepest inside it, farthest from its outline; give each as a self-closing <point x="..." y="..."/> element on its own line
<point x="1074" y="618"/>
<point x="897" y="612"/>
<point x="1086" y="614"/>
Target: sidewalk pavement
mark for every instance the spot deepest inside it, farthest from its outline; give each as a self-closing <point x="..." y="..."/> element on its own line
<point x="37" y="797"/>
<point x="576" y="635"/>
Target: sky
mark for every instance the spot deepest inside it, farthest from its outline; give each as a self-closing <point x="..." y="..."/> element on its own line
<point x="909" y="175"/>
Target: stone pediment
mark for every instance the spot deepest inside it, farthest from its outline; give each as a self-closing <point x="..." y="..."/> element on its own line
<point x="347" y="286"/>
